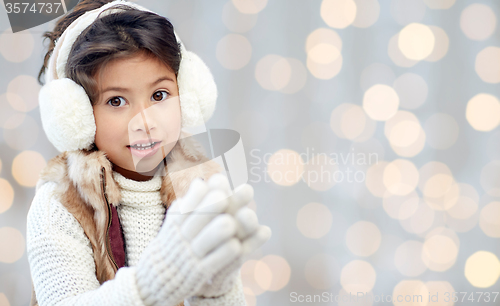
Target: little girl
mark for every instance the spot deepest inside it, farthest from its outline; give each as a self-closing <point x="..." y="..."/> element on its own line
<point x="132" y="212"/>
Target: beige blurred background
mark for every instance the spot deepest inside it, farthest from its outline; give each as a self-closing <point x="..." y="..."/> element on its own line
<point x="371" y="133"/>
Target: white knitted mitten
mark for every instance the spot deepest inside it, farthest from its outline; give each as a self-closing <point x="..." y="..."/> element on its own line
<point x="251" y="234"/>
<point x="195" y="242"/>
<point x="225" y="279"/>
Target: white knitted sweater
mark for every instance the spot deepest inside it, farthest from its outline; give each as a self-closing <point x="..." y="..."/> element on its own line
<point x="61" y="259"/>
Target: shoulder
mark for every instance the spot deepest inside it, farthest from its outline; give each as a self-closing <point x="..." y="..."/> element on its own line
<point x="44" y="201"/>
<point x="47" y="216"/>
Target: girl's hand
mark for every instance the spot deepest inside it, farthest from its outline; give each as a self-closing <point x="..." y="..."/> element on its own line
<point x="195" y="242"/>
<point x="251" y="234"/>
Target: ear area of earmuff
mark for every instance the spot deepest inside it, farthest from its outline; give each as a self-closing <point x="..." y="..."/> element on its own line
<point x="197" y="90"/>
<point x="67" y="115"/>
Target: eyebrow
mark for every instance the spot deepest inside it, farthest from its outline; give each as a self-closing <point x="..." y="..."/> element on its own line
<point x="161" y="79"/>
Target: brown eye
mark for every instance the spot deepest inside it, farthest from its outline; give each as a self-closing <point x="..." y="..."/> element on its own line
<point x="159" y="95"/>
<point x="116" y="101"/>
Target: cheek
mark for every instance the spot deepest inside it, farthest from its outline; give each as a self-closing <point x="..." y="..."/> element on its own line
<point x="177" y="119"/>
<point x="171" y="121"/>
<point x="100" y="128"/>
<point x="107" y="130"/>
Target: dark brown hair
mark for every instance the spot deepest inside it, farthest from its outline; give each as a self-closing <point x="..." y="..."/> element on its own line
<point x="110" y="37"/>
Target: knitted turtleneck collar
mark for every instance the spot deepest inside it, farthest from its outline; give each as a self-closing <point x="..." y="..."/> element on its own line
<point x="153" y="184"/>
<point x="135" y="193"/>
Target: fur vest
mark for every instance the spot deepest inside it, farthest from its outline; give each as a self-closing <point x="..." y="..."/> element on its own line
<point x="86" y="188"/>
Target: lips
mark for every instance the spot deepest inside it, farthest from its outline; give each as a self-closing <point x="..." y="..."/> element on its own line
<point x="143" y="142"/>
<point x="144" y="148"/>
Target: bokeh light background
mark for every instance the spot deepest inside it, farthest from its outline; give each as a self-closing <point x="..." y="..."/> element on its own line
<point x="396" y="100"/>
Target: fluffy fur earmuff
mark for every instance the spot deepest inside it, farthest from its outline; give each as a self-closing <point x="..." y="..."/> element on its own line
<point x="198" y="92"/>
<point x="67" y="115"/>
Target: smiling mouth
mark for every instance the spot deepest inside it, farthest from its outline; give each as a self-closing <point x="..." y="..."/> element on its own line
<point x="144" y="146"/>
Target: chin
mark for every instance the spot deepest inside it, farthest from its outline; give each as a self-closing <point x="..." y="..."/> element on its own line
<point x="146" y="166"/>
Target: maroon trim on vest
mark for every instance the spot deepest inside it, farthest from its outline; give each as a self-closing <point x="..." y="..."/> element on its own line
<point x="116" y="240"/>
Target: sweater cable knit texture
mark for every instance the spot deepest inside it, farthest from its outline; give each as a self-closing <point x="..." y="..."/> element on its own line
<point x="61" y="258"/>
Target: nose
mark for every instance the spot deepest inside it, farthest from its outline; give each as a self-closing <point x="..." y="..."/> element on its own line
<point x="143" y="120"/>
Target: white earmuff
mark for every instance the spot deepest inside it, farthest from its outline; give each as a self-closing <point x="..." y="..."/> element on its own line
<point x="66" y="111"/>
<point x="67" y="115"/>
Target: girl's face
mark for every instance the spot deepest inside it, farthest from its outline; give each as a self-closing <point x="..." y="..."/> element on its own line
<point x="137" y="114"/>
